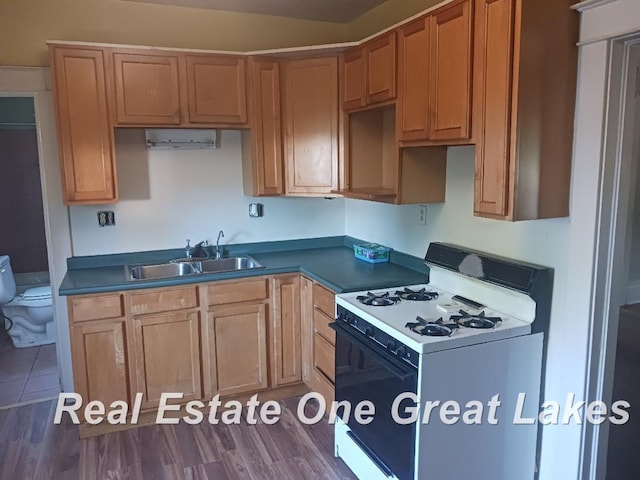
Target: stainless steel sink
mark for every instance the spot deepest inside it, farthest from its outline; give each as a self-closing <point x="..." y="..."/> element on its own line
<point x="228" y="264"/>
<point x="182" y="268"/>
<point x="165" y="270"/>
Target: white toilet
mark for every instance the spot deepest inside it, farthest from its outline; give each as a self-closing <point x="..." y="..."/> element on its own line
<point x="28" y="316"/>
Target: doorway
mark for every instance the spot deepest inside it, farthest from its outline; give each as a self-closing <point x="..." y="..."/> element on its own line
<point x="28" y="360"/>
<point x="615" y="340"/>
<point x="623" y="439"/>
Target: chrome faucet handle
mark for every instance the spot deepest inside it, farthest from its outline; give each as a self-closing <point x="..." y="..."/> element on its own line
<point x="187" y="249"/>
<point x="218" y="252"/>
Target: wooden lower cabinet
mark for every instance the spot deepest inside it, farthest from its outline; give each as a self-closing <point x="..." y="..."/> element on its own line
<point x="229" y="338"/>
<point x="318" y="340"/>
<point x="286" y="361"/>
<point x="167" y="355"/>
<point x="236" y="347"/>
<point x="100" y="360"/>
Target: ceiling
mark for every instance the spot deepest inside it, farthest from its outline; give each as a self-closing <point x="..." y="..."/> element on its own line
<point x="339" y="11"/>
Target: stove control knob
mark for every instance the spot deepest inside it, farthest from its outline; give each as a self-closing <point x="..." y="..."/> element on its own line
<point x="401" y="352"/>
<point x="350" y="319"/>
<point x="391" y="345"/>
<point x="369" y="332"/>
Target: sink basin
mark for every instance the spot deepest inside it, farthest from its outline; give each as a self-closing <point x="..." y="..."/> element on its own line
<point x="165" y="270"/>
<point x="182" y="268"/>
<point x="228" y="264"/>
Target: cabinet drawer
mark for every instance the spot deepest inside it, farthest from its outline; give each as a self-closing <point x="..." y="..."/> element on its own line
<point x="321" y="325"/>
<point x="96" y="307"/>
<point x="324" y="356"/>
<point x="219" y="294"/>
<point x="324" y="300"/>
<point x="165" y="300"/>
<point x="321" y="384"/>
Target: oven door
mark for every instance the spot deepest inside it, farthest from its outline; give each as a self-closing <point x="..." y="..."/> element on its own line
<point x="366" y="371"/>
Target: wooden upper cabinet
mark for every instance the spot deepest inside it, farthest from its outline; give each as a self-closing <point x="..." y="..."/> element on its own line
<point x="381" y="69"/>
<point x="311" y="119"/>
<point x="493" y="154"/>
<point x="369" y="73"/>
<point x="263" y="158"/>
<point x="354" y="82"/>
<point x="217" y="89"/>
<point x="524" y="109"/>
<point x="451" y="62"/>
<point x="84" y="132"/>
<point x="413" y="80"/>
<point x="147" y="88"/>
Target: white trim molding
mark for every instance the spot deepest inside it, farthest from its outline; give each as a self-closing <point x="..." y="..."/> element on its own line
<point x="595" y="284"/>
<point x="589" y="4"/>
<point x="601" y="20"/>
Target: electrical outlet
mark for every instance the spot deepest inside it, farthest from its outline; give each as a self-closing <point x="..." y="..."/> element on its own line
<point x="422" y="214"/>
<point x="106" y="218"/>
<point x="255" y="209"/>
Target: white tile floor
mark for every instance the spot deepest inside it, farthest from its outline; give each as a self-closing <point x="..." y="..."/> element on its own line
<point x="26" y="374"/>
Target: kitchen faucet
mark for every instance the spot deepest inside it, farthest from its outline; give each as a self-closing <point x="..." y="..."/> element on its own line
<point x="218" y="251"/>
<point x="197" y="250"/>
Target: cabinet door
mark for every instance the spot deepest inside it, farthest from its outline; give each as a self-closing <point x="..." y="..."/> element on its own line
<point x="285" y="331"/>
<point x="266" y="125"/>
<point x="413" y="72"/>
<point x="217" y="89"/>
<point x="84" y="130"/>
<point x="495" y="24"/>
<point x="451" y="68"/>
<point x="237" y="346"/>
<point x="354" y="81"/>
<point x="167" y="355"/>
<point x="146" y="88"/>
<point x="306" y="314"/>
<point x="100" y="361"/>
<point x="311" y="109"/>
<point x="381" y="69"/>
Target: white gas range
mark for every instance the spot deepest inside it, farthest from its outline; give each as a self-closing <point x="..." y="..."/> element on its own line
<point x="472" y="336"/>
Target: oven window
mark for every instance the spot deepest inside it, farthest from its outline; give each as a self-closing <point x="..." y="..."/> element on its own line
<point x="364" y="372"/>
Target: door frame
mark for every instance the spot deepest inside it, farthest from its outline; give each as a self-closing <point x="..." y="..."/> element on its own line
<point x="34" y="82"/>
<point x="614" y="218"/>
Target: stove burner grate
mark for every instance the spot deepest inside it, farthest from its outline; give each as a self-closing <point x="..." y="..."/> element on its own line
<point x="475" y="321"/>
<point x="416" y="295"/>
<point x="432" y="328"/>
<point x="380" y="300"/>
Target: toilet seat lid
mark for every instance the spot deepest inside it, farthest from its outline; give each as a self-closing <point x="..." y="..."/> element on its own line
<point x="36" y="293"/>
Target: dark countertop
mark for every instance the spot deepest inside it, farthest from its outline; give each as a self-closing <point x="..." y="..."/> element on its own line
<point x="332" y="264"/>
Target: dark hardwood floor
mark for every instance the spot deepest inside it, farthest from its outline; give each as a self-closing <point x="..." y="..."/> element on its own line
<point x="622" y="457"/>
<point x="32" y="447"/>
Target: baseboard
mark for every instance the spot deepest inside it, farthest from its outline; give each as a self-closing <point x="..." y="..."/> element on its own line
<point x="633" y="292"/>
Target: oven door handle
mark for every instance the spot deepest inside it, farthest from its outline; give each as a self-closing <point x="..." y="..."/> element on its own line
<point x="400" y="369"/>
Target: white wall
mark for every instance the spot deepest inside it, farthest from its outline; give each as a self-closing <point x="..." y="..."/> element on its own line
<point x="169" y="196"/>
<point x="540" y="241"/>
<point x="544" y="242"/>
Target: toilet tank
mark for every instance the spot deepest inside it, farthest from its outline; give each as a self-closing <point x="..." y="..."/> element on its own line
<point x="7" y="282"/>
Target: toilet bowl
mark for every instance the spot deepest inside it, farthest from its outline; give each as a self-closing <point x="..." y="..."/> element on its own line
<point x="29" y="315"/>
